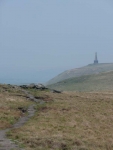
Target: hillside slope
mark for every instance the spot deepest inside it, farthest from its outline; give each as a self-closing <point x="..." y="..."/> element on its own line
<point x="87" y="70"/>
<point x="97" y="82"/>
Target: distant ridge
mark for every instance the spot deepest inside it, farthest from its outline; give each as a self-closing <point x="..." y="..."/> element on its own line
<point x="87" y="83"/>
<point x="86" y="70"/>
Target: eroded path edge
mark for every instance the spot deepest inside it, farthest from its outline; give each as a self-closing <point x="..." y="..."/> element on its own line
<point x="7" y="144"/>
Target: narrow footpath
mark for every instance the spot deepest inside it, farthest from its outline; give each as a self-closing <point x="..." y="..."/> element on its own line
<point x="7" y="144"/>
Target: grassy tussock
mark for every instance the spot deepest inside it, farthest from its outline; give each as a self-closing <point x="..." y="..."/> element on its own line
<point x="70" y="121"/>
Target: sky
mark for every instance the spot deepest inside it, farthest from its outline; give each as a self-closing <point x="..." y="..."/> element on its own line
<point x="41" y="38"/>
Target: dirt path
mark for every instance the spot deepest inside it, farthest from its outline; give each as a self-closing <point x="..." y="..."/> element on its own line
<point x="7" y="144"/>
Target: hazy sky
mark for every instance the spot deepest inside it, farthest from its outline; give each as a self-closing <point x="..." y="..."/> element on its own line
<point x="41" y="38"/>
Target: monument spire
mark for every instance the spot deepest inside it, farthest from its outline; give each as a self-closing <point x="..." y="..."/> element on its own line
<point x="96" y="59"/>
<point x="96" y="56"/>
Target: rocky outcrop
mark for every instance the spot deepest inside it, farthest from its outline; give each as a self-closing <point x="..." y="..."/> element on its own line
<point x="34" y="86"/>
<point x="56" y="91"/>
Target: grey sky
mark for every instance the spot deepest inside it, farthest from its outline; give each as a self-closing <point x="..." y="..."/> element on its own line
<point x="41" y="38"/>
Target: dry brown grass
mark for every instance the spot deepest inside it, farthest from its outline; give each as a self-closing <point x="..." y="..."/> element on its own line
<point x="9" y="103"/>
<point x="70" y="121"/>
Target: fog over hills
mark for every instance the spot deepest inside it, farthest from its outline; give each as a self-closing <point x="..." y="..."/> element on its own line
<point x="87" y="70"/>
<point x="40" y="39"/>
<point x="96" y="82"/>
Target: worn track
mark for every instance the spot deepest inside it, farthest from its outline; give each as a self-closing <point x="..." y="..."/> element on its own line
<point x="7" y="144"/>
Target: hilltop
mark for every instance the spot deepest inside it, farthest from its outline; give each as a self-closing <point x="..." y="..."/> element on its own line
<point x="86" y="70"/>
<point x="96" y="82"/>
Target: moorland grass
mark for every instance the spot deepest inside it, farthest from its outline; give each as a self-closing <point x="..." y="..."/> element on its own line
<point x="70" y="121"/>
<point x="10" y="100"/>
